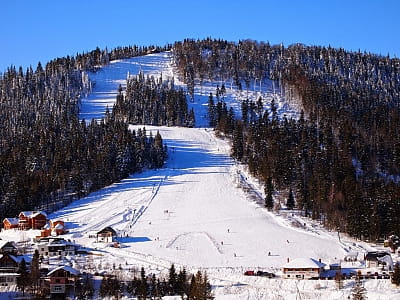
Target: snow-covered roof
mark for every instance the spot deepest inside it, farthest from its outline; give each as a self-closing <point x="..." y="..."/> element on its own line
<point x="375" y="255"/>
<point x="107" y="229"/>
<point x="26" y="213"/>
<point x="18" y="258"/>
<point x="304" y="263"/>
<point x="32" y="214"/>
<point x="12" y="221"/>
<point x="59" y="226"/>
<point x="4" y="242"/>
<point x="65" y="268"/>
<point x="39" y="213"/>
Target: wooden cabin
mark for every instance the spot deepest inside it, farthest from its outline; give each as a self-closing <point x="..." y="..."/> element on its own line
<point x="57" y="227"/>
<point x="106" y="235"/>
<point x="32" y="220"/>
<point x="10" y="223"/>
<point x="9" y="263"/>
<point x="8" y="247"/>
<point x="62" y="280"/>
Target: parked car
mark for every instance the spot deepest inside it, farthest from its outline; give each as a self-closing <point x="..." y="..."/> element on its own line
<point x="249" y="273"/>
<point x="265" y="274"/>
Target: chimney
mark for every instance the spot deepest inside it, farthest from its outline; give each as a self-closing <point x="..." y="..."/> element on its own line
<point x="288" y="259"/>
<point x="319" y="260"/>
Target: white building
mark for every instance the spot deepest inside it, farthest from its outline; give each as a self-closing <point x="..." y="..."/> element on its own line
<point x="56" y="247"/>
<point x="302" y="268"/>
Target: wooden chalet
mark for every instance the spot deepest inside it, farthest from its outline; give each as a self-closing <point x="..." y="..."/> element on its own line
<point x="303" y="268"/>
<point x="57" y="227"/>
<point x="62" y="281"/>
<point x="8" y="247"/>
<point x="53" y="228"/>
<point x="106" y="235"/>
<point x="9" y="263"/>
<point x="10" y="223"/>
<point x="31" y="220"/>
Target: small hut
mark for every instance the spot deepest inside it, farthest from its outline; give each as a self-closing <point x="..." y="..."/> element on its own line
<point x="106" y="235"/>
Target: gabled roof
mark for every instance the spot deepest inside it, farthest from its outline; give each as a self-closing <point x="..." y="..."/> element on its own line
<point x="59" y="226"/>
<point x="107" y="229"/>
<point x="12" y="221"/>
<point x="65" y="268"/>
<point x="35" y="214"/>
<point x="32" y="214"/>
<point x="304" y="263"/>
<point x="18" y="258"/>
<point x="375" y="255"/>
<point x="4" y="243"/>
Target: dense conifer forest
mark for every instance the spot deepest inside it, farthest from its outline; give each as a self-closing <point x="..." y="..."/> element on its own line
<point x="49" y="157"/>
<point x="340" y="160"/>
<point x="154" y="102"/>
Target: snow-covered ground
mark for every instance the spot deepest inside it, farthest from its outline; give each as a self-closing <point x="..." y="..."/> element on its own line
<point x="195" y="213"/>
<point x="107" y="80"/>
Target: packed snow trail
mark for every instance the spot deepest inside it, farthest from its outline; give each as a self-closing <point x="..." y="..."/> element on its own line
<point x="197" y="216"/>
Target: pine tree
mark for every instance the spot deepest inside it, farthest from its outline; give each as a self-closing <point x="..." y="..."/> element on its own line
<point x="172" y="280"/>
<point x="396" y="274"/>
<point x="182" y="283"/>
<point x="23" y="280"/>
<point x="358" y="291"/>
<point x="290" y="200"/>
<point x="212" y="116"/>
<point x="142" y="290"/>
<point x="269" y="190"/>
<point x="35" y="271"/>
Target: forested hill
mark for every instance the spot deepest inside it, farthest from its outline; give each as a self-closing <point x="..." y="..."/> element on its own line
<point x="48" y="157"/>
<point x="341" y="158"/>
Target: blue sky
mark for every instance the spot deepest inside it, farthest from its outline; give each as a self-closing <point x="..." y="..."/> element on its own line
<point x="41" y="30"/>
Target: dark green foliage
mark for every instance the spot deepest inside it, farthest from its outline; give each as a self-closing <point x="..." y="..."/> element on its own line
<point x="47" y="156"/>
<point x="199" y="288"/>
<point x="84" y="288"/>
<point x="172" y="280"/>
<point x="110" y="286"/>
<point x="396" y="274"/>
<point x="153" y="102"/>
<point x="269" y="190"/>
<point x="290" y="200"/>
<point x="23" y="280"/>
<point x="178" y="284"/>
<point x="35" y="272"/>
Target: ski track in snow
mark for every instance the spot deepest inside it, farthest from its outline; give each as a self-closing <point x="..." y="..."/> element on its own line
<point x="191" y="213"/>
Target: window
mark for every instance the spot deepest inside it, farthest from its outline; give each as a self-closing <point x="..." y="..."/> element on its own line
<point x="58" y="280"/>
<point x="57" y="288"/>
